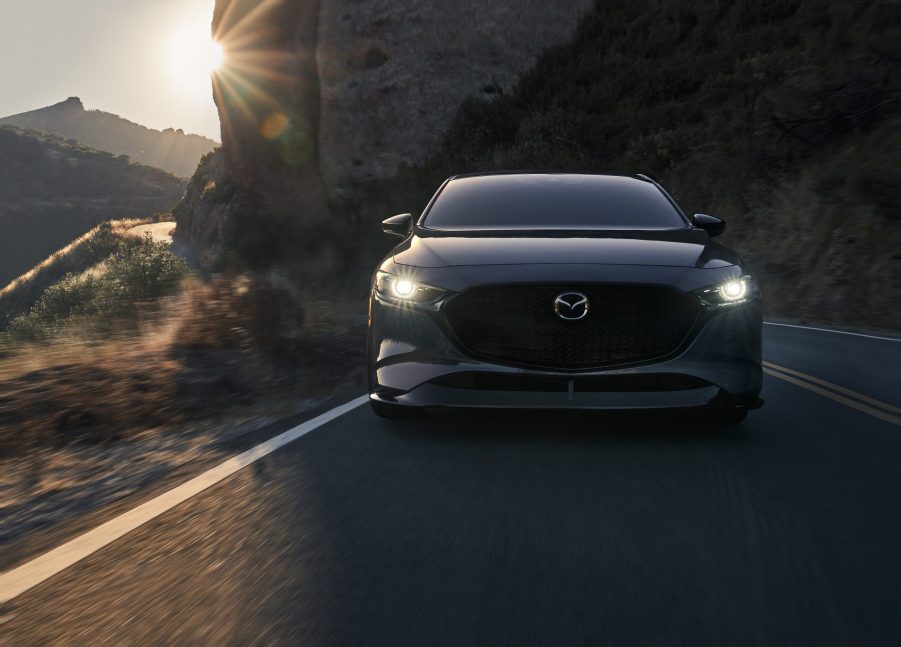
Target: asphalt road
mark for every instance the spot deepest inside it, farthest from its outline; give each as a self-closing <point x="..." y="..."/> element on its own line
<point x="160" y="232"/>
<point x="531" y="529"/>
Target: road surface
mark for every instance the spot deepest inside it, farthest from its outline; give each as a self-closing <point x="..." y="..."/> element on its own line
<point x="162" y="232"/>
<point x="528" y="529"/>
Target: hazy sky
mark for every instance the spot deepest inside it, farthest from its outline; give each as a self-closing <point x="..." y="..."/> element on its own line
<point x="146" y="60"/>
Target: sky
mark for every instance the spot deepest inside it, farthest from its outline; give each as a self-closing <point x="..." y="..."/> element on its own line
<point x="147" y="61"/>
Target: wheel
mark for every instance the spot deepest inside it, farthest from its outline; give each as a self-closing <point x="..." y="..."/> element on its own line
<point x="394" y="411"/>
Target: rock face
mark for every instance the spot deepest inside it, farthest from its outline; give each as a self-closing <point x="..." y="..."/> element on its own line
<point x="203" y="212"/>
<point x="268" y="100"/>
<point x="315" y="94"/>
<point x="393" y="72"/>
<point x="352" y="88"/>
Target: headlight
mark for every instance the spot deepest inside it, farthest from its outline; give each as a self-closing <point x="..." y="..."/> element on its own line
<point x="731" y="292"/>
<point x="404" y="290"/>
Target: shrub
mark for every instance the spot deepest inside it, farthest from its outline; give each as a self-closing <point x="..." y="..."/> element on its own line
<point x="137" y="271"/>
<point x="143" y="269"/>
<point x="72" y="295"/>
<point x="242" y="312"/>
<point x="663" y="92"/>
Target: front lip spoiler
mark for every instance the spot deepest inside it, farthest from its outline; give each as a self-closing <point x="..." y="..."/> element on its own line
<point x="434" y="396"/>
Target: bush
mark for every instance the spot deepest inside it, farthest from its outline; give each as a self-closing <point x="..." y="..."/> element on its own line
<point x="73" y="295"/>
<point x="137" y="271"/>
<point x="242" y="312"/>
<point x="143" y="269"/>
<point x="737" y="108"/>
<point x="706" y="98"/>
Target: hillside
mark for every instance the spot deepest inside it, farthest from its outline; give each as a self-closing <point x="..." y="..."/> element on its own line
<point x="52" y="191"/>
<point x="412" y="62"/>
<point x="788" y="129"/>
<point x="780" y="116"/>
<point x="170" y="150"/>
<point x="316" y="90"/>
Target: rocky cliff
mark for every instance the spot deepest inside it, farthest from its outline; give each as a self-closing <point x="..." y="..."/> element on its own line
<point x="268" y="99"/>
<point x="780" y="116"/>
<point x="314" y="94"/>
<point x="394" y="72"/>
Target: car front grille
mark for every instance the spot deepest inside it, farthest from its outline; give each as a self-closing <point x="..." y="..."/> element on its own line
<point x="625" y="324"/>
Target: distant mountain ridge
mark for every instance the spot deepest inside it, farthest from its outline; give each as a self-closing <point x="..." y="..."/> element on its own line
<point x="52" y="191"/>
<point x="171" y="150"/>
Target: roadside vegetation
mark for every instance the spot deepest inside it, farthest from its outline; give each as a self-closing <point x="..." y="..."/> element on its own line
<point x="76" y="258"/>
<point x="135" y="272"/>
<point x="44" y="165"/>
<point x="54" y="190"/>
<point x="782" y="117"/>
<point x="117" y="335"/>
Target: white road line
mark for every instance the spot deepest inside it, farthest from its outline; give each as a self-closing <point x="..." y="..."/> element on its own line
<point x="30" y="574"/>
<point x="837" y="332"/>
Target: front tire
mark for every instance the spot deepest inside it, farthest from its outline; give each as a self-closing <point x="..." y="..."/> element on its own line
<point x="394" y="411"/>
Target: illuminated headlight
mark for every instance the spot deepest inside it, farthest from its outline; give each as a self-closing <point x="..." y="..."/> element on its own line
<point x="731" y="292"/>
<point x="403" y="289"/>
<point x="734" y="290"/>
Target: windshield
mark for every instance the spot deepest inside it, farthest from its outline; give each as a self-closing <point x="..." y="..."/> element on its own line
<point x="551" y="201"/>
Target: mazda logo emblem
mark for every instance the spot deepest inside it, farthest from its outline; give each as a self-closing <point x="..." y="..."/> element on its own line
<point x="571" y="306"/>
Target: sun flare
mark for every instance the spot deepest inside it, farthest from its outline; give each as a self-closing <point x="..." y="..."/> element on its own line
<point x="192" y="56"/>
<point x="217" y="56"/>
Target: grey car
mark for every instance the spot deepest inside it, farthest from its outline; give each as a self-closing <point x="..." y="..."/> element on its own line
<point x="562" y="290"/>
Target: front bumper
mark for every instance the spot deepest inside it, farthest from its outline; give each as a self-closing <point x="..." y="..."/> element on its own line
<point x="435" y="396"/>
<point x="410" y="357"/>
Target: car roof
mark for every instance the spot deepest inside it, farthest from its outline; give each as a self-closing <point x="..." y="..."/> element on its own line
<point x="635" y="176"/>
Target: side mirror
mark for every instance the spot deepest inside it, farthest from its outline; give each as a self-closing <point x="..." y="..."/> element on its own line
<point x="400" y="225"/>
<point x="713" y="226"/>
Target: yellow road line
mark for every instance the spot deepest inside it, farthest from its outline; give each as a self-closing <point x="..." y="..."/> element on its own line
<point x="876" y="413"/>
<point x="835" y="387"/>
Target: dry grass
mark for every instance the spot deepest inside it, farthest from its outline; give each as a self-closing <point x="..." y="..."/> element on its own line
<point x="215" y="348"/>
<point x="77" y="257"/>
<point x="66" y="255"/>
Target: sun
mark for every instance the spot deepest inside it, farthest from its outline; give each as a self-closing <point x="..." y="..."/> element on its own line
<point x="191" y="56"/>
<point x="217" y="56"/>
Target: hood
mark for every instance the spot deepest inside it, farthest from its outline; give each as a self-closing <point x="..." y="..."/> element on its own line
<point x="677" y="248"/>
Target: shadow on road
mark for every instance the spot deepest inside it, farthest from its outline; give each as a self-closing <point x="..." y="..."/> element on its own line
<point x="569" y="427"/>
<point x="535" y="528"/>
